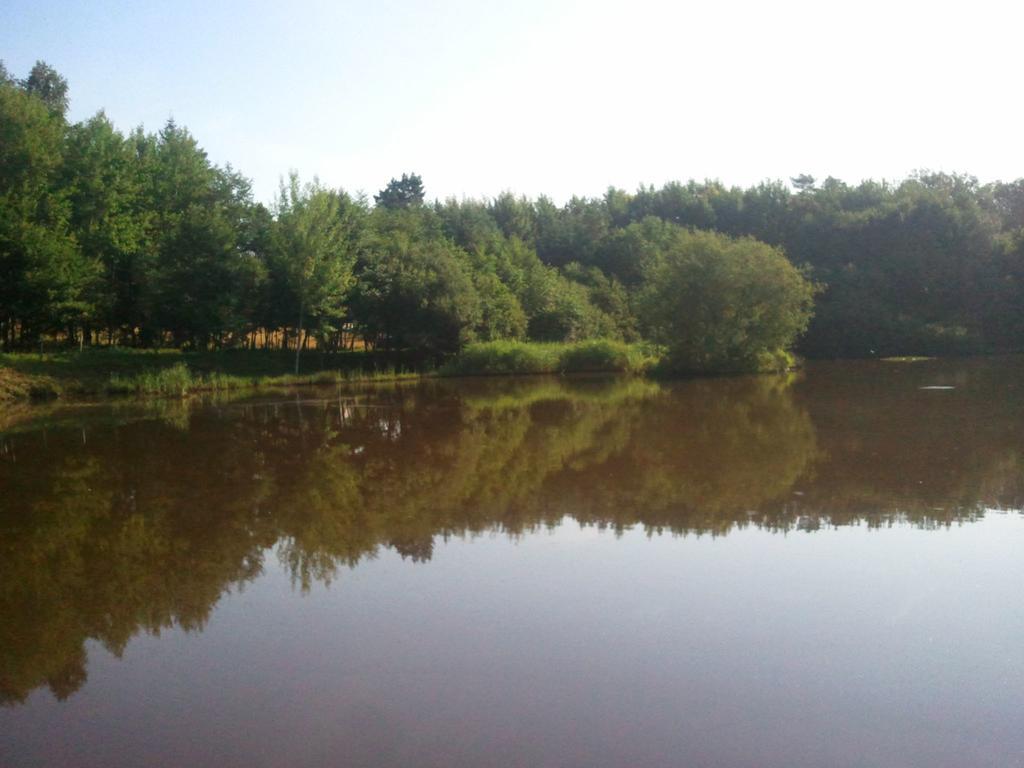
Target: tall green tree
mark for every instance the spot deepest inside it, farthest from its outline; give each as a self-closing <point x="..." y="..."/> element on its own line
<point x="189" y="281"/>
<point x="108" y="216"/>
<point x="314" y="242"/>
<point x="42" y="276"/>
<point x="415" y="287"/>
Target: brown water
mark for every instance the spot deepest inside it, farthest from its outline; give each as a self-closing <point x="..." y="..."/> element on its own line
<point x="819" y="571"/>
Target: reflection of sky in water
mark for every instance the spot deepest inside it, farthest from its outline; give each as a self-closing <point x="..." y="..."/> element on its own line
<point x="847" y="646"/>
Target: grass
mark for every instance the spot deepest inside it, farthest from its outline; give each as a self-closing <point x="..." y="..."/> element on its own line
<point x="179" y="380"/>
<point x="104" y="372"/>
<point x="107" y="372"/>
<point x="495" y="358"/>
<point x="16" y="385"/>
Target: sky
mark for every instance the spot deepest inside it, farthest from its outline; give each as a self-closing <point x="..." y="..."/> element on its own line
<point x="548" y="96"/>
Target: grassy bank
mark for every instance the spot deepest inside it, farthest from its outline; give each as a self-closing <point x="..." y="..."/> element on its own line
<point x="515" y="358"/>
<point x="117" y="371"/>
<point x="170" y="373"/>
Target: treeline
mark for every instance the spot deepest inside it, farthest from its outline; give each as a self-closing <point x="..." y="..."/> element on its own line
<point x="140" y="240"/>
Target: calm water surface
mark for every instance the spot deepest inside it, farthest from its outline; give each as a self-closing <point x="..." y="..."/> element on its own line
<point x="822" y="570"/>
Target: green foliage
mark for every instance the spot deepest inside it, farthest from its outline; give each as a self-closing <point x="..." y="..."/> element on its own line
<point x="406" y="192"/>
<point x="172" y="373"/>
<point x="196" y="275"/>
<point x="625" y="253"/>
<point x="722" y="305"/>
<point x="43" y="279"/>
<point x="560" y="309"/>
<point x="47" y="85"/>
<point x="103" y="187"/>
<point x="514" y="358"/>
<point x="501" y="314"/>
<point x="140" y="240"/>
<point x="600" y="355"/>
<point x="504" y="357"/>
<point x="515" y="216"/>
<point x="415" y="287"/>
<point x="176" y="380"/>
<point x="608" y="296"/>
<point x="315" y="244"/>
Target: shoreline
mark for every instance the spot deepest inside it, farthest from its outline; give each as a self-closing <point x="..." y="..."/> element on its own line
<point x="107" y="374"/>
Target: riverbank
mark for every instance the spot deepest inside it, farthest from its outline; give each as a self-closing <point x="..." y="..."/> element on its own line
<point x="113" y="372"/>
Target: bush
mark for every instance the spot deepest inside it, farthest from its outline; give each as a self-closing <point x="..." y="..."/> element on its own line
<point x="605" y="355"/>
<point x="176" y="380"/>
<point x="503" y="357"/>
<point x="723" y="305"/>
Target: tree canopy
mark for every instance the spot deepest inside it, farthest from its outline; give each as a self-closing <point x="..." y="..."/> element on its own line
<point x="140" y="239"/>
<point x="406" y="192"/>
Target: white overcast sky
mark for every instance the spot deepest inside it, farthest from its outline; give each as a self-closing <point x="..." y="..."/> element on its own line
<point x="549" y="96"/>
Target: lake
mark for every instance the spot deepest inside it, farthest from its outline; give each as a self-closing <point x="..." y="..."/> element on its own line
<point x="821" y="569"/>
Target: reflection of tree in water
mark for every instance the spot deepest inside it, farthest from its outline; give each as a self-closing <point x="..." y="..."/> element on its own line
<point x="705" y="456"/>
<point x="895" y="451"/>
<point x="144" y="525"/>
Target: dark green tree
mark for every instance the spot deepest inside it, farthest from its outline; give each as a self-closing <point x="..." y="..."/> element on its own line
<point x="406" y="192"/>
<point x="414" y="288"/>
<point x="108" y="218"/>
<point x="43" y="279"/>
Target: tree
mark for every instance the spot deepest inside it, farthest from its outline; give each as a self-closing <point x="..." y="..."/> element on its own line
<point x="107" y="216"/>
<point x="406" y="192"/>
<point x="610" y="297"/>
<point x="194" y="264"/>
<point x="415" y="287"/>
<point x="803" y="183"/>
<point x="722" y="305"/>
<point x="515" y="216"/>
<point x="560" y="309"/>
<point x="313" y="242"/>
<point x="501" y="314"/>
<point x="42" y="275"/>
<point x="46" y="84"/>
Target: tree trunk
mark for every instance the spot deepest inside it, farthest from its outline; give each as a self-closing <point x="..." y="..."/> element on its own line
<point x="298" y="338"/>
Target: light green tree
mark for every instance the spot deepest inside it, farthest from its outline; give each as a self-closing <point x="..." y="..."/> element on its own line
<point x="314" y="244"/>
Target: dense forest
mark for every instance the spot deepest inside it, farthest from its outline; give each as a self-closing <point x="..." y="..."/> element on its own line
<point x="139" y="240"/>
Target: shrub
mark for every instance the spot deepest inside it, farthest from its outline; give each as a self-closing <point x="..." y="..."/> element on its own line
<point x="512" y="357"/>
<point x="723" y="305"/>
